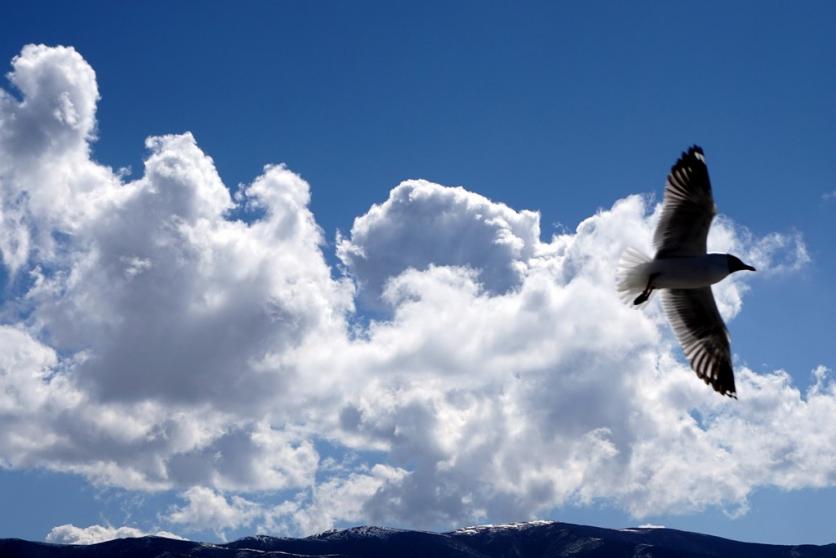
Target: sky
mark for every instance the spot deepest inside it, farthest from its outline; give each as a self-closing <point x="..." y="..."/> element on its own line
<point x="281" y="267"/>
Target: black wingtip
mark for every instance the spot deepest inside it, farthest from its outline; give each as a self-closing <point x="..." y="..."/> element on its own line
<point x="692" y="158"/>
<point x="693" y="153"/>
<point x="725" y="387"/>
<point x="729" y="393"/>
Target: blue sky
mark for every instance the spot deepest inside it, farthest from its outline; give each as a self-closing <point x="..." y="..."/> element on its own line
<point x="556" y="108"/>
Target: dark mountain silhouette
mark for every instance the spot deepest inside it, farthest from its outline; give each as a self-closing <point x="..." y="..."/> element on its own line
<point x="520" y="540"/>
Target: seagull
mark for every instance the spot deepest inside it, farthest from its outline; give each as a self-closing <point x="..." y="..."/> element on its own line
<point x="684" y="272"/>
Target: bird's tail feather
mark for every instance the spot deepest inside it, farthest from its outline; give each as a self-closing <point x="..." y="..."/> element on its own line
<point x="632" y="274"/>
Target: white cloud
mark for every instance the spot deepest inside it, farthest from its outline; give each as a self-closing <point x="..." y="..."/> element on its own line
<point x="49" y="183"/>
<point x="58" y="109"/>
<point x="337" y="499"/>
<point x="504" y="405"/>
<point x="333" y="501"/>
<point x="440" y="226"/>
<point x="234" y="294"/>
<point x="153" y="342"/>
<point x="209" y="508"/>
<point x="70" y="534"/>
<point x="173" y="321"/>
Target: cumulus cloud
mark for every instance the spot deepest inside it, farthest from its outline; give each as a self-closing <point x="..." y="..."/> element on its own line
<point x="206" y="507"/>
<point x="234" y="293"/>
<point x="48" y="181"/>
<point x="336" y="500"/>
<point x="58" y="109"/>
<point x="70" y="534"/>
<point x="505" y="405"/>
<point x="153" y="341"/>
<point x="173" y="321"/>
<point x="440" y="226"/>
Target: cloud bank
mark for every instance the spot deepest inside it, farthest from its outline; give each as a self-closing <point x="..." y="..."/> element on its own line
<point x="152" y="341"/>
<point x="70" y="534"/>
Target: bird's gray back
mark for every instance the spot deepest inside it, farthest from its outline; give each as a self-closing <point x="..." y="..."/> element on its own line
<point x="689" y="272"/>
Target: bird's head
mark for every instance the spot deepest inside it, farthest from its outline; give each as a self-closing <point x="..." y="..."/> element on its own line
<point x="736" y="265"/>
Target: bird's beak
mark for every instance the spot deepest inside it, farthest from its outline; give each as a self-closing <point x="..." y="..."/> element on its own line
<point x="749" y="267"/>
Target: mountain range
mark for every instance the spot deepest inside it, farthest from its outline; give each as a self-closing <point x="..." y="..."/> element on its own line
<point x="518" y="540"/>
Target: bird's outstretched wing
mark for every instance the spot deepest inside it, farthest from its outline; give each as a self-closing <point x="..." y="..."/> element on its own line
<point x="687" y="210"/>
<point x="697" y="323"/>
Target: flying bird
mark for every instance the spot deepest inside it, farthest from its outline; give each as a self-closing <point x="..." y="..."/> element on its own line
<point x="684" y="272"/>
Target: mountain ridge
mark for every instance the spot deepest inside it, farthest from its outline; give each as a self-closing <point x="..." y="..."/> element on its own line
<point x="514" y="540"/>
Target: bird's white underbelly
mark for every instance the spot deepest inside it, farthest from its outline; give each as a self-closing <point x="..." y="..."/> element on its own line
<point x="689" y="273"/>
